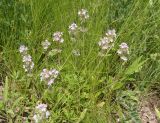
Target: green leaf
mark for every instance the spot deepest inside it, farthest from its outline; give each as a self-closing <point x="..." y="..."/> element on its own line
<point x="66" y="113"/>
<point x="82" y="116"/>
<point x="117" y="86"/>
<point x="11" y="112"/>
<point x="54" y="52"/>
<point x="17" y="101"/>
<point x="135" y="66"/>
<point x="1" y="105"/>
<point x="157" y="113"/>
<point x="6" y="89"/>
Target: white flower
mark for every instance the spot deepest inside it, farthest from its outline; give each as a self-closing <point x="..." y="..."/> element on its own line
<point x="57" y="36"/>
<point x="51" y="81"/>
<point x="111" y="34"/>
<point x="42" y="107"/>
<point x="107" y="42"/>
<point x="123" y="46"/>
<point x="36" y="118"/>
<point x="54" y="73"/>
<point x="41" y="113"/>
<point x="73" y="27"/>
<point x="49" y="76"/>
<point x="124" y="58"/>
<point x="119" y="52"/>
<point x="32" y="65"/>
<point x="104" y="43"/>
<point x="23" y="49"/>
<point x="28" y="65"/>
<point x="47" y="114"/>
<point x="83" y="14"/>
<point x="46" y="44"/>
<point x="123" y="51"/>
<point x="44" y="74"/>
<point x="27" y="58"/>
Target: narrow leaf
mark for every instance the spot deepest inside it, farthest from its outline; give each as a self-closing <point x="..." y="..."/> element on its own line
<point x="82" y="115"/>
<point x="6" y="88"/>
<point x="135" y="66"/>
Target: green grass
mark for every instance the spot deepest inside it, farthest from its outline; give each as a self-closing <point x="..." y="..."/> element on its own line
<point x="90" y="88"/>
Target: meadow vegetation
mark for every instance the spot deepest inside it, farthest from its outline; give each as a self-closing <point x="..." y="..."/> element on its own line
<point x="78" y="61"/>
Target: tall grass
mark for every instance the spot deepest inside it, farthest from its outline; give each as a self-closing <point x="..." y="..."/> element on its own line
<point x="90" y="88"/>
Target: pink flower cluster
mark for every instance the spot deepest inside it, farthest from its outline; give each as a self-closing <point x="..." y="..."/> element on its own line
<point x="83" y="14"/>
<point x="49" y="76"/>
<point x="123" y="51"/>
<point x="73" y="28"/>
<point x="28" y="64"/>
<point x="41" y="113"/>
<point x="57" y="37"/>
<point x="46" y="44"/>
<point x="107" y="42"/>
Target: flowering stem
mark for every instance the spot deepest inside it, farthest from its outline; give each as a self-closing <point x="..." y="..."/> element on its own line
<point x="59" y="61"/>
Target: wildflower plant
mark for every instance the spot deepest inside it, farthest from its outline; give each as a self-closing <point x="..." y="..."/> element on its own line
<point x="46" y="44"/>
<point x="28" y="64"/>
<point x="41" y="113"/>
<point x="49" y="76"/>
<point x="111" y="34"/>
<point x="123" y="51"/>
<point x="83" y="14"/>
<point x="58" y="37"/>
<point x="107" y="42"/>
<point x="104" y="43"/>
<point x="88" y="82"/>
<point x="23" y="49"/>
<point x="73" y="28"/>
<point x="73" y="31"/>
